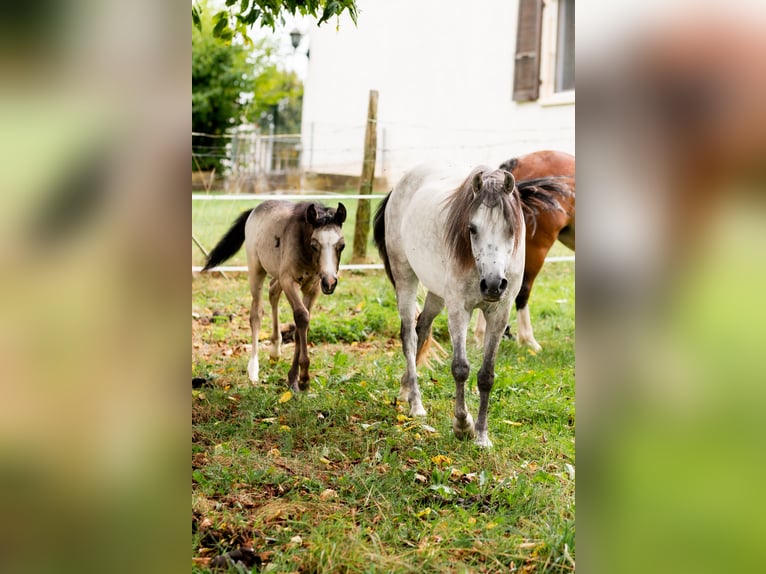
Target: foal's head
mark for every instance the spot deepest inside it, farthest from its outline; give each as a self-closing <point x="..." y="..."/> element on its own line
<point x="326" y="242"/>
<point x="484" y="227"/>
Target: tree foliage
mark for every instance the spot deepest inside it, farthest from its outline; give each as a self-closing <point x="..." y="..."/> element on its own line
<point x="239" y="15"/>
<point x="233" y="84"/>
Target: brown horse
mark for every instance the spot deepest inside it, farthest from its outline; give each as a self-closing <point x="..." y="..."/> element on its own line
<point x="549" y="213"/>
<point x="299" y="245"/>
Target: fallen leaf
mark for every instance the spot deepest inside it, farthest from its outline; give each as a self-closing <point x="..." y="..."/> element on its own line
<point x="424" y="512"/>
<point x="286" y="396"/>
<point x="274" y="452"/>
<point x="296" y="540"/>
<point x="420" y="477"/>
<point x="323" y="460"/>
<point x="441" y="460"/>
<point x="512" y="423"/>
<point x="328" y="494"/>
<point x="570" y="471"/>
<point x="284" y="428"/>
<point x="403" y="418"/>
<point x="428" y="428"/>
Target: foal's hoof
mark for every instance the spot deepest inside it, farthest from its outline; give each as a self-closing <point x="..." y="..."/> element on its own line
<point x="532" y="344"/>
<point x="417" y="410"/>
<point x="252" y="369"/>
<point x="463" y="429"/>
<point x="304" y="385"/>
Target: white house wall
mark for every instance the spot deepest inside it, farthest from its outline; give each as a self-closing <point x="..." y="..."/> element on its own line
<point x="444" y="74"/>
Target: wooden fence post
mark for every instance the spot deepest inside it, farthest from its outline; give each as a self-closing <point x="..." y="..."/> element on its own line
<point x="362" y="227"/>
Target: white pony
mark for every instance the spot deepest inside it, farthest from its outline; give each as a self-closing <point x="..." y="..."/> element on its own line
<point x="463" y="239"/>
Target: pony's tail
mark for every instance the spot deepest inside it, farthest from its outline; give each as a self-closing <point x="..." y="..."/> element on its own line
<point x="229" y="243"/>
<point x="379" y="234"/>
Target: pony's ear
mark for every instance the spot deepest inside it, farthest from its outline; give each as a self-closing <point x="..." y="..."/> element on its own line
<point x="476" y="183"/>
<point x="340" y="214"/>
<point x="510" y="182"/>
<point x="311" y="214"/>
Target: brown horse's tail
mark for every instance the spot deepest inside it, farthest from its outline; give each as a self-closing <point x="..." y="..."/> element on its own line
<point x="539" y="194"/>
<point x="431" y="349"/>
<point x="510" y="165"/>
<point x="379" y="234"/>
<point x="229" y="243"/>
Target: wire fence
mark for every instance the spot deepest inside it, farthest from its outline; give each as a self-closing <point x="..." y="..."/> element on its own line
<point x="214" y="221"/>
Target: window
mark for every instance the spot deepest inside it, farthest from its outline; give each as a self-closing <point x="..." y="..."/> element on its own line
<point x="544" y="64"/>
<point x="565" y="46"/>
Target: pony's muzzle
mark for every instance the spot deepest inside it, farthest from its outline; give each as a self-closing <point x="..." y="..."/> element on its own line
<point x="492" y="289"/>
<point x="329" y="284"/>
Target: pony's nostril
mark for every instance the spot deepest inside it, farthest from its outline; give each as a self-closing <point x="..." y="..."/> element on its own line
<point x="503" y="285"/>
<point x="483" y="285"/>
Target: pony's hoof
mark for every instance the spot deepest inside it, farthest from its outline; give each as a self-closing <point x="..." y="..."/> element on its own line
<point x="463" y="429"/>
<point x="294" y="387"/>
<point x="483" y="441"/>
<point x="304" y="385"/>
<point x="252" y="369"/>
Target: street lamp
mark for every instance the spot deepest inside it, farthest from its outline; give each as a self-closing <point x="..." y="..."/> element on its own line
<point x="295" y="38"/>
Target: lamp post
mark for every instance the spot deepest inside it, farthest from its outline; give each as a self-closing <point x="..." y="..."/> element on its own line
<point x="295" y="38"/>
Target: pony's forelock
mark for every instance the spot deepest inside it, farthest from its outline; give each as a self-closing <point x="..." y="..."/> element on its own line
<point x="462" y="203"/>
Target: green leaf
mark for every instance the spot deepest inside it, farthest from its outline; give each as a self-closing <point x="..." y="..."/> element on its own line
<point x="221" y="23"/>
<point x="195" y="18"/>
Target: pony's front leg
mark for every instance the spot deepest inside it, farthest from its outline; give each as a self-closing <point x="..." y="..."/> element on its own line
<point x="462" y="424"/>
<point x="409" y="390"/>
<point x="496" y="322"/>
<point x="301" y="317"/>
<point x="275" y="290"/>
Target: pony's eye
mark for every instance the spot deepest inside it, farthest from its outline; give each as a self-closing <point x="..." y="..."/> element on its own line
<point x="472" y="229"/>
<point x="341" y="247"/>
<point x="315" y="247"/>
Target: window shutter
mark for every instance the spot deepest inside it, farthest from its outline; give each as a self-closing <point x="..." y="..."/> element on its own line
<point x="526" y="71"/>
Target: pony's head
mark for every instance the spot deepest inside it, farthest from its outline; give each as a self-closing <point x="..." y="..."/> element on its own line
<point x="484" y="226"/>
<point x="326" y="242"/>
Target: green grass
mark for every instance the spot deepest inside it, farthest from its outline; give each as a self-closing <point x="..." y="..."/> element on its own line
<point x="340" y="479"/>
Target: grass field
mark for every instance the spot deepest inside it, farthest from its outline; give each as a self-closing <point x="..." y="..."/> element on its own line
<point x="340" y="479"/>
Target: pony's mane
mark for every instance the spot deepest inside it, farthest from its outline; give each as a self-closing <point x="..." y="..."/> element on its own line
<point x="540" y="194"/>
<point x="461" y="204"/>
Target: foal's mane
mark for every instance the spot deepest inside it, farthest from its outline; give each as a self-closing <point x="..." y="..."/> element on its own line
<point x="304" y="229"/>
<point x="461" y="204"/>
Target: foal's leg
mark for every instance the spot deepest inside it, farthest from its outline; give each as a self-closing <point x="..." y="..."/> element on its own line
<point x="301" y="317"/>
<point x="256" y="277"/>
<point x="496" y="322"/>
<point x="458" y="319"/>
<point x="275" y="291"/>
<point x="309" y="298"/>
<point x="406" y="297"/>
